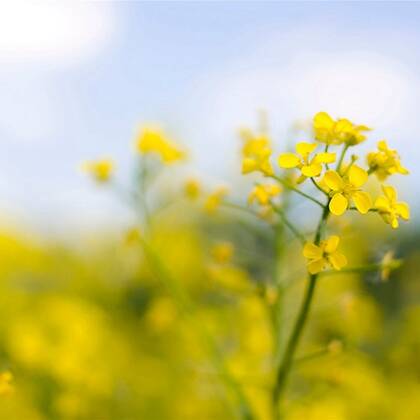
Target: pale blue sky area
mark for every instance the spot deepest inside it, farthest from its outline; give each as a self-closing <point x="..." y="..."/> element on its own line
<point x="76" y="79"/>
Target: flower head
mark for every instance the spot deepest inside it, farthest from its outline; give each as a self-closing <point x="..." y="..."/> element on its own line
<point x="222" y="252"/>
<point x="262" y="193"/>
<point x="192" y="188"/>
<point x="214" y="200"/>
<point x="330" y="131"/>
<point x="343" y="189"/>
<point x="256" y="154"/>
<point x="385" y="162"/>
<point x="101" y="170"/>
<point x="309" y="166"/>
<point x="388" y="264"/>
<point x="6" y="386"/>
<point x="390" y="209"/>
<point x="154" y="141"/>
<point x="323" y="255"/>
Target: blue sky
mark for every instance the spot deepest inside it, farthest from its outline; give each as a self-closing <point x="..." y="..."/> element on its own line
<point x="77" y="78"/>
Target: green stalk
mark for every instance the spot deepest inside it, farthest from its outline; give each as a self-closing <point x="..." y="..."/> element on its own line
<point x="287" y="360"/>
<point x="340" y="161"/>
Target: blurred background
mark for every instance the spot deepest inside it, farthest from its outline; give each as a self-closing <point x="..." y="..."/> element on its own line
<point x="86" y="330"/>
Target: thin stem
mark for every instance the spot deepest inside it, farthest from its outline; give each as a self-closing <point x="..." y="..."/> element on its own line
<point x="340" y="160"/>
<point x="357" y="269"/>
<point x="289" y="224"/>
<point x="187" y="308"/>
<point x="326" y="151"/>
<point x="318" y="186"/>
<point x="291" y="187"/>
<point x="235" y="206"/>
<point x="287" y="361"/>
<point x="372" y="210"/>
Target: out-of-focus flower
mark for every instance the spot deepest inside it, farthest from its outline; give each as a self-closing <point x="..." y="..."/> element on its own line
<point x="346" y="188"/>
<point x="101" y="170"/>
<point x="222" y="252"/>
<point x="192" y="188"/>
<point x="390" y="209"/>
<point x="335" y="346"/>
<point x="215" y="199"/>
<point x="262" y="193"/>
<point x="330" y="131"/>
<point x="388" y="264"/>
<point x="6" y="386"/>
<point x="309" y="167"/>
<point x="154" y="141"/>
<point x="323" y="255"/>
<point x="256" y="153"/>
<point x="385" y="162"/>
<point x="132" y="236"/>
<point x="162" y="313"/>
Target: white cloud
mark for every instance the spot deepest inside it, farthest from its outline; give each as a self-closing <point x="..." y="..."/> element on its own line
<point x="62" y="31"/>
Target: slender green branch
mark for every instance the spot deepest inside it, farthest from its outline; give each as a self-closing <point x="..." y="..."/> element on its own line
<point x="187" y="308"/>
<point x="289" y="224"/>
<point x="326" y="151"/>
<point x="372" y="210"/>
<point x="357" y="269"/>
<point x="318" y="187"/>
<point x="238" y="207"/>
<point x="296" y="190"/>
<point x="340" y="160"/>
<point x="291" y="346"/>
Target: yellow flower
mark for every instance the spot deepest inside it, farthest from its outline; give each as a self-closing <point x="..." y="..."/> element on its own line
<point x="309" y="167"/>
<point x="341" y="131"/>
<point x="323" y="255"/>
<point x="132" y="236"/>
<point x="152" y="140"/>
<point x="6" y="386"/>
<point x="101" y="170"/>
<point x="222" y="252"/>
<point x="214" y="200"/>
<point x="256" y="154"/>
<point x="390" y="209"/>
<point x="263" y="192"/>
<point x="192" y="188"/>
<point x="388" y="264"/>
<point x="385" y="162"/>
<point x="347" y="188"/>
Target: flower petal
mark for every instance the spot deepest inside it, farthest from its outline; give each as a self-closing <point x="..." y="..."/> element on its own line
<point x="288" y="160"/>
<point x="390" y="192"/>
<point x="333" y="180"/>
<point x="314" y="169"/>
<point x="305" y="148"/>
<point x="403" y="210"/>
<point x="325" y="157"/>
<point x="323" y="120"/>
<point x="316" y="266"/>
<point x="338" y="204"/>
<point x="331" y="244"/>
<point x="312" y="251"/>
<point x="362" y="201"/>
<point x="337" y="260"/>
<point x="357" y="176"/>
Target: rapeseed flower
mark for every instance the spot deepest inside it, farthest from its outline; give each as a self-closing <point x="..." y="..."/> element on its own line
<point x="262" y="193"/>
<point x="256" y="153"/>
<point x="323" y="255"/>
<point x="6" y="386"/>
<point x="330" y="131"/>
<point x="154" y="141"/>
<point x="215" y="199"/>
<point x="385" y="162"/>
<point x="192" y="188"/>
<point x="343" y="189"/>
<point x="222" y="252"/>
<point x="309" y="167"/>
<point x="390" y="209"/>
<point x="101" y="170"/>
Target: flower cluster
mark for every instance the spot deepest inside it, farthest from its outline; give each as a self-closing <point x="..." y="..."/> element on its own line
<point x="342" y="186"/>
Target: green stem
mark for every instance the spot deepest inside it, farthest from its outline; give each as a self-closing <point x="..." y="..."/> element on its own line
<point x="340" y="160"/>
<point x="187" y="309"/>
<point x="358" y="269"/>
<point x="296" y="190"/>
<point x="287" y="361"/>
<point x="326" y="151"/>
<point x="289" y="224"/>
<point x="235" y="206"/>
<point x="318" y="187"/>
